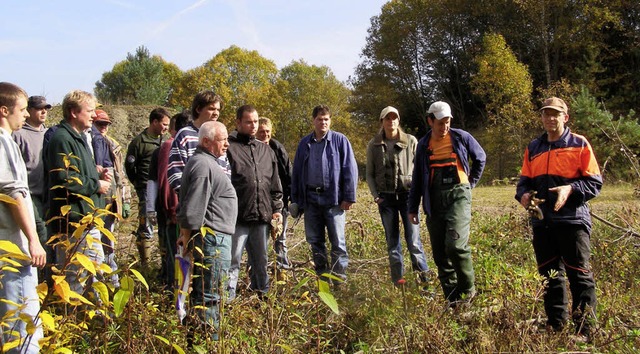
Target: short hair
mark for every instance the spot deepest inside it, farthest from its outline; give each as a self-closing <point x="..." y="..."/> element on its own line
<point x="158" y="114"/>
<point x="72" y="101"/>
<point x="244" y="108"/>
<point x="210" y="130"/>
<point x="9" y="94"/>
<point x="180" y="120"/>
<point x="203" y="99"/>
<point x="320" y="109"/>
<point x="265" y="121"/>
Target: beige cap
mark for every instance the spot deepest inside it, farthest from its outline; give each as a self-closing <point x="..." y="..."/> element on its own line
<point x="388" y="110"/>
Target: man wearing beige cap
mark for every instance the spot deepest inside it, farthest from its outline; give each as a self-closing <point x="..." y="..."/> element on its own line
<point x="390" y="156"/>
<point x="560" y="168"/>
<point x="443" y="179"/>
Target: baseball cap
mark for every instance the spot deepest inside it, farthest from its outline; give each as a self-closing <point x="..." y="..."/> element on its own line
<point x="38" y="102"/>
<point x="440" y="110"/>
<point x="388" y="110"/>
<point x="102" y="116"/>
<point x="555" y="103"/>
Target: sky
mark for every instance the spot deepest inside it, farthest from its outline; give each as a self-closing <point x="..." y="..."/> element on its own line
<point x="52" y="47"/>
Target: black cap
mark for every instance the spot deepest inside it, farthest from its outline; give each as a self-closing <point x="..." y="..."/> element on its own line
<point x="38" y="102"/>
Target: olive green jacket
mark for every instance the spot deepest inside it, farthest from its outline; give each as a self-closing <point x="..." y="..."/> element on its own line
<point x="384" y="175"/>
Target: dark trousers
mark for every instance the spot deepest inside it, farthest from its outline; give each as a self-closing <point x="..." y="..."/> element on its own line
<point x="563" y="251"/>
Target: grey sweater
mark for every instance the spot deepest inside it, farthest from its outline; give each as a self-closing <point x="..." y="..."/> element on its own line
<point x="207" y="196"/>
<point x="30" y="141"/>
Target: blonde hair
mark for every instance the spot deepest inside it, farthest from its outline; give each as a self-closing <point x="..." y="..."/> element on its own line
<point x="266" y="121"/>
<point x="73" y="100"/>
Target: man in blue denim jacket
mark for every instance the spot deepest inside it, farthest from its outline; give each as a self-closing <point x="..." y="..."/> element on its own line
<point x="323" y="184"/>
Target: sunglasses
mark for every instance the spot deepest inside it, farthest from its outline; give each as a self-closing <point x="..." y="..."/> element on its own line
<point x="103" y="124"/>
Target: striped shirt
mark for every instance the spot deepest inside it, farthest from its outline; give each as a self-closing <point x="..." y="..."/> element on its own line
<point x="183" y="147"/>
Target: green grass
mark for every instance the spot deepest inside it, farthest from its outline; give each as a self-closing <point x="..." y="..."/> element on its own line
<point x="372" y="316"/>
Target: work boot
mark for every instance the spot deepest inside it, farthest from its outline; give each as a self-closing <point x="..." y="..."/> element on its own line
<point x="144" y="250"/>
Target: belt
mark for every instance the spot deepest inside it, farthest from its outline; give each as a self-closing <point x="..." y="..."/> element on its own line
<point x="318" y="190"/>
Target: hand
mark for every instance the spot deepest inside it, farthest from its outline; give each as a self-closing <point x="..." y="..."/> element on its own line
<point x="152" y="218"/>
<point x="345" y="205"/>
<point x="525" y="200"/>
<point x="38" y="255"/>
<point x="183" y="240"/>
<point x="104" y="186"/>
<point x="105" y="175"/>
<point x="126" y="210"/>
<point x="413" y="217"/>
<point x="563" y="194"/>
<point x="378" y="200"/>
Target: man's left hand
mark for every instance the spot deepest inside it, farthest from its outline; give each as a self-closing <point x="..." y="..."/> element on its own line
<point x="563" y="195"/>
<point x="345" y="205"/>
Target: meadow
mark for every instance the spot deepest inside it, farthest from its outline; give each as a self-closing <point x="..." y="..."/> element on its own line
<point x="375" y="316"/>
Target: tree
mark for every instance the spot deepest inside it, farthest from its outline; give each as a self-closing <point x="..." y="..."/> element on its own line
<point x="139" y="79"/>
<point x="505" y="86"/>
<point x="301" y="87"/>
<point x="421" y="51"/>
<point x="238" y="75"/>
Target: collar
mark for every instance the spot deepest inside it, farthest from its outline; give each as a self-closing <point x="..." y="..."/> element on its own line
<point x="403" y="139"/>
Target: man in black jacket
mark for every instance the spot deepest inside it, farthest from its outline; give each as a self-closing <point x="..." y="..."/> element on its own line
<point x="254" y="175"/>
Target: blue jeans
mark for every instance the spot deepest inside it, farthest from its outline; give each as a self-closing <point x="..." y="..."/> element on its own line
<point x="392" y="208"/>
<point x="21" y="288"/>
<point x="316" y="219"/>
<point x="280" y="244"/>
<point x="74" y="271"/>
<point x="208" y="278"/>
<point x="254" y="236"/>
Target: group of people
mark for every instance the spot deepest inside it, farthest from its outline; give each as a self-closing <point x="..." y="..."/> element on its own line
<point x="216" y="194"/>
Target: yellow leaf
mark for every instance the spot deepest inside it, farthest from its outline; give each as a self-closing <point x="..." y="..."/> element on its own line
<point x="106" y="232"/>
<point x="12" y="249"/>
<point x="10" y="269"/>
<point x="85" y="198"/>
<point x="10" y="345"/>
<point x="9" y="302"/>
<point x="65" y="209"/>
<point x="74" y="297"/>
<point x="140" y="278"/>
<point x="63" y="351"/>
<point x="7" y="199"/>
<point x="76" y="179"/>
<point x="104" y="268"/>
<point x="57" y="279"/>
<point x="47" y="320"/>
<point x="62" y="289"/>
<point x="102" y="291"/>
<point x="86" y="263"/>
<point x="42" y="290"/>
<point x="127" y="284"/>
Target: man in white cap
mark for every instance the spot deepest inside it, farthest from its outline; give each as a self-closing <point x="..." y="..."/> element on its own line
<point x="560" y="168"/>
<point x="443" y="179"/>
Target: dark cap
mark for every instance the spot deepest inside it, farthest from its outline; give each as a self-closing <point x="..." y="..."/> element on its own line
<point x="38" y="102"/>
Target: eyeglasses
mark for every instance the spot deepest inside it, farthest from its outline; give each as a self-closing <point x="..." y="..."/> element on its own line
<point x="103" y="124"/>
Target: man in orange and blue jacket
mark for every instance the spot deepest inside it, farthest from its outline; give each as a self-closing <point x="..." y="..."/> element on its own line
<point x="560" y="168"/>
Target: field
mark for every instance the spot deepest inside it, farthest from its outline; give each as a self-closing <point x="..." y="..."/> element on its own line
<point x="377" y="317"/>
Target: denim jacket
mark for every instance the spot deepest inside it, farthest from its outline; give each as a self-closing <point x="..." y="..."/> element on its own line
<point x="465" y="146"/>
<point x="343" y="170"/>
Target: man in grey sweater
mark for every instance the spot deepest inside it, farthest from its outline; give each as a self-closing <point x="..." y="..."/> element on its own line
<point x="207" y="219"/>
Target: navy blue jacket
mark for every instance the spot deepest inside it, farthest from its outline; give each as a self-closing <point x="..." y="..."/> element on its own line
<point x="342" y="169"/>
<point x="465" y="146"/>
